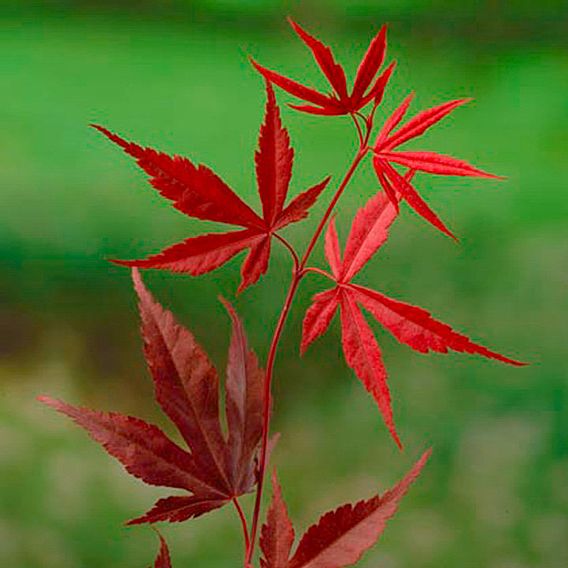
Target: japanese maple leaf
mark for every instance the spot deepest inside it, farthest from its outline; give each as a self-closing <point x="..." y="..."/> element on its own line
<point x="339" y="538"/>
<point x="198" y="192"/>
<point x="366" y="88"/>
<point x="409" y="324"/>
<point x="385" y="156"/>
<point x="216" y="468"/>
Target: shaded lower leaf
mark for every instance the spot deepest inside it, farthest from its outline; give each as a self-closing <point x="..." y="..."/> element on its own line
<point x="143" y="449"/>
<point x="341" y="537"/>
<point x="179" y="508"/>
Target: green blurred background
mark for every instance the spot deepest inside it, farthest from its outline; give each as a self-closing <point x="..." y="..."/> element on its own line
<point x="174" y="74"/>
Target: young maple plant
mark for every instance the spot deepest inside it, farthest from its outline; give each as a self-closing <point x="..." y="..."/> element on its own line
<point x="227" y="458"/>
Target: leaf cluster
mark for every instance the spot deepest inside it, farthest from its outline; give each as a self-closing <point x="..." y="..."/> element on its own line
<point x="226" y="452"/>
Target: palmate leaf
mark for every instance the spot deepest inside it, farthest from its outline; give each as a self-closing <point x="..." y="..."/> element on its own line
<point x="409" y="324"/>
<point x="340" y="537"/>
<point x="198" y="192"/>
<point x="217" y="467"/>
<point x="399" y="187"/>
<point x="367" y="86"/>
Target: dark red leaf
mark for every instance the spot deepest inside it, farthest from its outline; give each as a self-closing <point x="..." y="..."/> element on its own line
<point x="143" y="449"/>
<point x="244" y="405"/>
<point x="435" y="164"/>
<point x="319" y="316"/>
<point x="195" y="191"/>
<point x="180" y="508"/>
<point x="186" y="385"/>
<point x="163" y="559"/>
<point x="273" y="160"/>
<point x="277" y="535"/>
<point x="363" y="355"/>
<point x="341" y="537"/>
<point x="325" y="60"/>
<point x="417" y="328"/>
<point x="370" y="64"/>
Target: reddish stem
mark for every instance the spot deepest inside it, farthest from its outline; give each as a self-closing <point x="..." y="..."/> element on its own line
<point x="291" y="250"/>
<point x="244" y="524"/>
<point x="266" y="412"/>
<point x="319" y="271"/>
<point x="354" y="164"/>
<point x="299" y="273"/>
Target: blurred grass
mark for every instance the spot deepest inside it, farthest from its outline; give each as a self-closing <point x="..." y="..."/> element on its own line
<point x="495" y="493"/>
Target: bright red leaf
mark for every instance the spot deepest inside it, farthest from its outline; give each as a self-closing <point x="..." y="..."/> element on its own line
<point x="429" y="162"/>
<point x="363" y="355"/>
<point x="217" y="467"/>
<point x="340" y="537"/>
<point x="409" y="324"/>
<point x="198" y="192"/>
<point x="367" y="86"/>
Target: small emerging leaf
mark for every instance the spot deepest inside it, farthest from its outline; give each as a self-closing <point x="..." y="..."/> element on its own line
<point x="163" y="559"/>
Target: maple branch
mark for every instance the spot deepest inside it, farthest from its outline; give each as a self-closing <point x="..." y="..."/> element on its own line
<point x="266" y="412"/>
<point x="244" y="524"/>
<point x="299" y="272"/>
<point x="346" y="179"/>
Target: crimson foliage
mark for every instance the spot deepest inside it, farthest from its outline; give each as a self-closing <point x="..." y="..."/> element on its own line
<point x="226" y="456"/>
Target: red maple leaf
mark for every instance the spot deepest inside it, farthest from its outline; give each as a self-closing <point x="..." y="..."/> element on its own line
<point x="384" y="156"/>
<point x="339" y="538"/>
<point x="409" y="324"/>
<point x="198" y="192"/>
<point x="366" y="88"/>
<point x="217" y="467"/>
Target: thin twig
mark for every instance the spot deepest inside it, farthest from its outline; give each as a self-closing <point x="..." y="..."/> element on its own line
<point x="299" y="272"/>
<point x="316" y="270"/>
<point x="244" y="524"/>
<point x="291" y="249"/>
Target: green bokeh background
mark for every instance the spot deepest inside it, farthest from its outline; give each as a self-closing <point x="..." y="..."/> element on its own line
<point x="174" y="75"/>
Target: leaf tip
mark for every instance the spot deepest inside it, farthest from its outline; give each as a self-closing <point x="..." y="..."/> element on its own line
<point x="45" y="399"/>
<point x="396" y="439"/>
